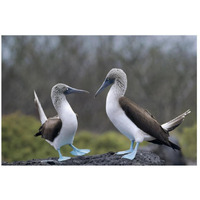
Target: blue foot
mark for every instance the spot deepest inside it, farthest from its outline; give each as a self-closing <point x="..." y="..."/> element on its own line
<point x="127" y="151"/>
<point x="124" y="152"/>
<point x="62" y="158"/>
<point x="132" y="155"/>
<point x="78" y="152"/>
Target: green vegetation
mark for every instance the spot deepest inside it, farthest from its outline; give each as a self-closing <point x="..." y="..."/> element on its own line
<point x="188" y="141"/>
<point x="19" y="143"/>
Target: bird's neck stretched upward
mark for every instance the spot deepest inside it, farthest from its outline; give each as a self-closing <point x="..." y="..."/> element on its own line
<point x="62" y="106"/>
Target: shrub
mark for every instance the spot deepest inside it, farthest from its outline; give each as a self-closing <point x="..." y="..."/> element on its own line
<point x="188" y="141"/>
<point x="18" y="141"/>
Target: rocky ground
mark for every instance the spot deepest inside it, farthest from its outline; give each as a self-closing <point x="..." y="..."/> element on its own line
<point x="110" y="158"/>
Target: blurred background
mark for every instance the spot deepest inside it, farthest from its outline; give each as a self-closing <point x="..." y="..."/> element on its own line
<point x="162" y="75"/>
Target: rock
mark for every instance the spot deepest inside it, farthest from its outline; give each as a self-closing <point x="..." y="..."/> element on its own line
<point x="110" y="158"/>
<point x="171" y="156"/>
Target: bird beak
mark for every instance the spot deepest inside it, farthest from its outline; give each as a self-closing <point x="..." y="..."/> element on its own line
<point x="71" y="90"/>
<point x="105" y="84"/>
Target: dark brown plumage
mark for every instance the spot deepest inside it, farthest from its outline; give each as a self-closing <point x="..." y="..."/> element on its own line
<point x="50" y="129"/>
<point x="146" y="122"/>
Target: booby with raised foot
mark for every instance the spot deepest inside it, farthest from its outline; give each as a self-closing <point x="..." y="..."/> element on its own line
<point x="133" y="121"/>
<point x="61" y="129"/>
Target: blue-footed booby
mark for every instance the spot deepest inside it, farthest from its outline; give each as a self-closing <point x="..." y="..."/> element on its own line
<point x="60" y="130"/>
<point x="134" y="122"/>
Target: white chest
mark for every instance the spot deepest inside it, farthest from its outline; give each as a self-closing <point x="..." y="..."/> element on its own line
<point x="69" y="126"/>
<point x="121" y="121"/>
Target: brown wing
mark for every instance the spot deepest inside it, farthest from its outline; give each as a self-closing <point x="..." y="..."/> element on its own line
<point x="50" y="129"/>
<point x="144" y="120"/>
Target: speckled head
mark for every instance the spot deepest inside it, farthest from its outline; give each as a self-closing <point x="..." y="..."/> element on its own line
<point x="60" y="90"/>
<point x="117" y="77"/>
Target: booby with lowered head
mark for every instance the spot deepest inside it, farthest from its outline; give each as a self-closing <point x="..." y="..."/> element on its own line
<point x="60" y="130"/>
<point x="134" y="122"/>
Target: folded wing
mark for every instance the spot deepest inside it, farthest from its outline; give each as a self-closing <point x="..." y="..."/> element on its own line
<point x="146" y="122"/>
<point x="50" y="129"/>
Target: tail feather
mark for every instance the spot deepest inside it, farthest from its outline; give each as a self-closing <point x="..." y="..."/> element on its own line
<point x="171" y="125"/>
<point x="169" y="144"/>
<point x="42" y="115"/>
<point x="174" y="146"/>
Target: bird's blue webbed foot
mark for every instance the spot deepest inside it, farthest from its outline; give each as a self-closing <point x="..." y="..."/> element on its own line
<point x="132" y="155"/>
<point x="127" y="151"/>
<point x="124" y="152"/>
<point x="78" y="152"/>
<point x="62" y="158"/>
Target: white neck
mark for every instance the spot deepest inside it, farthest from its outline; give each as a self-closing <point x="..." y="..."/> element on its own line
<point x="114" y="92"/>
<point x="62" y="107"/>
<point x="117" y="90"/>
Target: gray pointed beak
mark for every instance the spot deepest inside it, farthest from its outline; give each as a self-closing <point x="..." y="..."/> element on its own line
<point x="105" y="84"/>
<point x="71" y="90"/>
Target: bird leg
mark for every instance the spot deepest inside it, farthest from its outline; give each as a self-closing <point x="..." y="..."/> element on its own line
<point x="127" y="151"/>
<point x="132" y="155"/>
<point x="78" y="152"/>
<point x="62" y="158"/>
